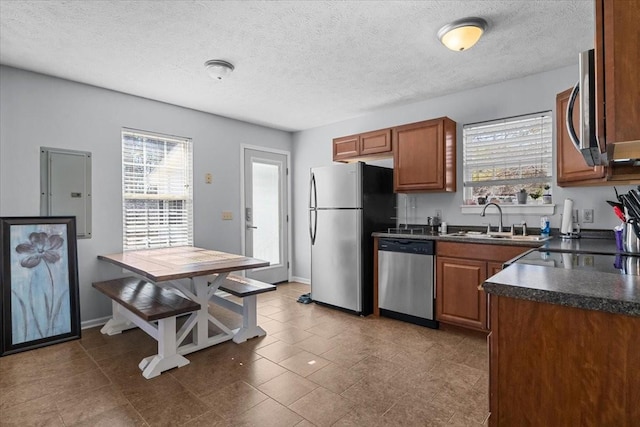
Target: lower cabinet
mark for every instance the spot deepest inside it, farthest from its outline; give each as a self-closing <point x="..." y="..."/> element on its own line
<point x="459" y="299"/>
<point x="552" y="365"/>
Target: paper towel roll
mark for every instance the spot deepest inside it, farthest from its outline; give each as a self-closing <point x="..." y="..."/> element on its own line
<point x="567" y="217"/>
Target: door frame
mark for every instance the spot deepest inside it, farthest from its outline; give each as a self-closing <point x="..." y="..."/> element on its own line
<point x="242" y="221"/>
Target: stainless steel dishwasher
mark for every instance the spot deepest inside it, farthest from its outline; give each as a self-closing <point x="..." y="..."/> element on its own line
<point x="406" y="280"/>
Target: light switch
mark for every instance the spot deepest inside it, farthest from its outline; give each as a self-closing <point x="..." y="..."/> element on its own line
<point x="208" y="178"/>
<point x="227" y="215"/>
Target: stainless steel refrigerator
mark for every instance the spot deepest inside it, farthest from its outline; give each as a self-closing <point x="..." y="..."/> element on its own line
<point x="347" y="203"/>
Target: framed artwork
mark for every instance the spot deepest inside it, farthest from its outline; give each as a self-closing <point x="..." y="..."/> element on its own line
<point x="40" y="294"/>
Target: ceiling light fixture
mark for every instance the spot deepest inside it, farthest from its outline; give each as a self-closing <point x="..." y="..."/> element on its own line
<point x="218" y="69"/>
<point x="462" y="34"/>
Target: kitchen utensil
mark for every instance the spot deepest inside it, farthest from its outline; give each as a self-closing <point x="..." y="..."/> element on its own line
<point x="614" y="204"/>
<point x="632" y="210"/>
<point x="631" y="236"/>
<point x="619" y="213"/>
<point x="634" y="198"/>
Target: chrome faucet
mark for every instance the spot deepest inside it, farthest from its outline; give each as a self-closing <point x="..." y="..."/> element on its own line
<point x="499" y="209"/>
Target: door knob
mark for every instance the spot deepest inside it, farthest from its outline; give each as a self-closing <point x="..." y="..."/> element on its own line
<point x="252" y="226"/>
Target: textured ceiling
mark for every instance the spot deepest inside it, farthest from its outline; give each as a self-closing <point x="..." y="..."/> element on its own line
<point x="299" y="64"/>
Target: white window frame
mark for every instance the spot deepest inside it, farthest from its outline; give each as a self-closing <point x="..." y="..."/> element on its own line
<point x="167" y="184"/>
<point x="508" y="148"/>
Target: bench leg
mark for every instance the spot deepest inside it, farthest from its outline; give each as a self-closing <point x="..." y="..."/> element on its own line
<point x="167" y="357"/>
<point x="250" y="328"/>
<point x="117" y="323"/>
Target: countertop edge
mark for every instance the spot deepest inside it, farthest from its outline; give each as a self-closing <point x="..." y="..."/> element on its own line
<point x="537" y="283"/>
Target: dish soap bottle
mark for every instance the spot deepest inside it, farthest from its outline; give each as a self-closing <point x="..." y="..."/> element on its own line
<point x="545" y="227"/>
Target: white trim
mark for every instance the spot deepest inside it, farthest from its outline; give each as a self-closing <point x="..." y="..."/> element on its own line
<point x="287" y="154"/>
<point x="541" y="209"/>
<point x="94" y="322"/>
<point x="302" y="280"/>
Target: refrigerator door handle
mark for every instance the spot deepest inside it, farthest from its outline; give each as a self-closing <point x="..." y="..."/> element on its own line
<point x="313" y="192"/>
<point x="313" y="230"/>
<point x="313" y="205"/>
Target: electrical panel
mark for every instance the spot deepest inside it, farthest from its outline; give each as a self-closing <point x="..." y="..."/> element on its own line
<point x="65" y="186"/>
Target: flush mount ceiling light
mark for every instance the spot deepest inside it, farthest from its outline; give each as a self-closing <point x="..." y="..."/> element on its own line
<point x="218" y="69"/>
<point x="462" y="34"/>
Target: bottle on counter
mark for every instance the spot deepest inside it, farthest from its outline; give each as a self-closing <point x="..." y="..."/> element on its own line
<point x="443" y="228"/>
<point x="545" y="226"/>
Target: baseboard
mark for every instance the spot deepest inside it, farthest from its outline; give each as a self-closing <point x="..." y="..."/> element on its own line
<point x="94" y="322"/>
<point x="300" y="280"/>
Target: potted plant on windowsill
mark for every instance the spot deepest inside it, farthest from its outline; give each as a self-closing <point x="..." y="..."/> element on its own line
<point x="546" y="197"/>
<point x="535" y="195"/>
<point x="522" y="197"/>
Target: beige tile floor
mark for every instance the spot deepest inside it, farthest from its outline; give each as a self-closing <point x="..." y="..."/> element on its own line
<point x="316" y="366"/>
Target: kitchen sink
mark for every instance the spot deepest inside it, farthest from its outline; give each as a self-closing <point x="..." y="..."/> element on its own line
<point x="498" y="236"/>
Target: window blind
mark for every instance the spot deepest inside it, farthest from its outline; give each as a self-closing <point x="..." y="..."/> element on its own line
<point x="157" y="190"/>
<point x="511" y="151"/>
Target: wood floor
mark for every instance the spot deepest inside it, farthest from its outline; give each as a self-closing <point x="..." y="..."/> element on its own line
<point x="316" y="366"/>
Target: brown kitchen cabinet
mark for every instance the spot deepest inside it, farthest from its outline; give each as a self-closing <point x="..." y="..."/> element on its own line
<point x="571" y="166"/>
<point x="617" y="43"/>
<point x="424" y="156"/>
<point x="370" y="145"/>
<point x="551" y="365"/>
<point x="459" y="299"/>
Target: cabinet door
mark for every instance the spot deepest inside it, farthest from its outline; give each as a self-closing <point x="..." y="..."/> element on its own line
<point x="617" y="43"/>
<point x="345" y="148"/>
<point x="419" y="156"/>
<point x="571" y="167"/>
<point x="458" y="299"/>
<point x="375" y="142"/>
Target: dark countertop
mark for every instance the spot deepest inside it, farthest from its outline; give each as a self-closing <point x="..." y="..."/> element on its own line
<point x="608" y="292"/>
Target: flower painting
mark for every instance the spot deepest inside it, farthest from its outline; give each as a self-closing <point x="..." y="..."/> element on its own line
<point x="41" y="285"/>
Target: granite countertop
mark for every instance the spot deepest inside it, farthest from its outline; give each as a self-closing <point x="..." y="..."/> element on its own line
<point x="587" y="289"/>
<point x="609" y="292"/>
<point x="457" y="239"/>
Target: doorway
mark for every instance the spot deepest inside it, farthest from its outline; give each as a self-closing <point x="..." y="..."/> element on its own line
<point x="265" y="212"/>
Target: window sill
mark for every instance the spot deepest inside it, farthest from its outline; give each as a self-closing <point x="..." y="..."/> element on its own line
<point x="515" y="209"/>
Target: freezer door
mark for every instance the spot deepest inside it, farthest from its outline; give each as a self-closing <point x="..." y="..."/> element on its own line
<point x="337" y="186"/>
<point x="336" y="259"/>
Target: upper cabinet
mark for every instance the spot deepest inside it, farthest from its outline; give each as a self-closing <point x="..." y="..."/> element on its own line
<point x="617" y="62"/>
<point x="571" y="167"/>
<point x="424" y="156"/>
<point x="375" y="144"/>
<point x="345" y="148"/>
<point x="617" y="94"/>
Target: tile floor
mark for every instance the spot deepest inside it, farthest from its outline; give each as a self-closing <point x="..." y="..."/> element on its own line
<point x="316" y="366"/>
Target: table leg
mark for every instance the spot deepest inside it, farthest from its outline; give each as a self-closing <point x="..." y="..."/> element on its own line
<point x="167" y="357"/>
<point x="118" y="322"/>
<point x="250" y="328"/>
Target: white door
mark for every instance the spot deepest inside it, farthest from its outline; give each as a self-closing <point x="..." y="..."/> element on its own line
<point x="266" y="213"/>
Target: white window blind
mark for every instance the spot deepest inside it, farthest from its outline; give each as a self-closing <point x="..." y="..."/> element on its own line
<point x="157" y="190"/>
<point x="510" y="153"/>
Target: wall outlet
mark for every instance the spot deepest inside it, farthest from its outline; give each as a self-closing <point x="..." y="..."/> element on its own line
<point x="208" y="178"/>
<point x="439" y="213"/>
<point x="587" y="215"/>
<point x="227" y="215"/>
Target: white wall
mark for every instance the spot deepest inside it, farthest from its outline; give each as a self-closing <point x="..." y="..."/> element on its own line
<point x="521" y="96"/>
<point x="38" y="110"/>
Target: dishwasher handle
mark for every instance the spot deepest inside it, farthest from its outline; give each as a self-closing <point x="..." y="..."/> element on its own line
<point x="410" y="246"/>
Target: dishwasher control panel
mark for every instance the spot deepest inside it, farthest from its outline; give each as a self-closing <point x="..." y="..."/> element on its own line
<point x="420" y="247"/>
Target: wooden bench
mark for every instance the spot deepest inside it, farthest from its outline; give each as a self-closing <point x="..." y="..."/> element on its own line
<point x="154" y="310"/>
<point x="247" y="289"/>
